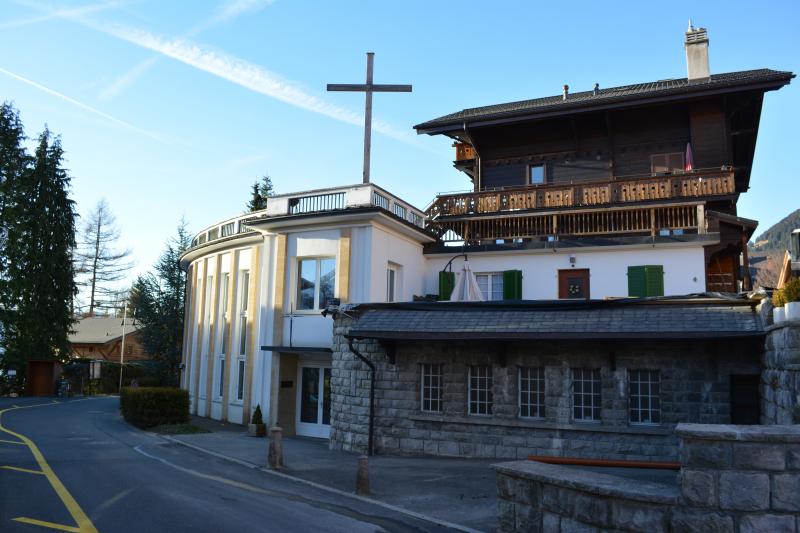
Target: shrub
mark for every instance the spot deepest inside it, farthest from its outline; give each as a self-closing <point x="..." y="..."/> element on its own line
<point x="145" y="407"/>
<point x="791" y="291"/>
<point x="777" y="298"/>
<point x="257" y="417"/>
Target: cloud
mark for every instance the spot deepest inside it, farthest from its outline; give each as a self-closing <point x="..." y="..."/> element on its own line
<point x="81" y="105"/>
<point x="60" y="14"/>
<point x="122" y="82"/>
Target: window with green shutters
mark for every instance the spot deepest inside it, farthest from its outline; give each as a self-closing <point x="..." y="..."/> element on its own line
<point x="447" y="280"/>
<point x="512" y="285"/>
<point x="645" y="280"/>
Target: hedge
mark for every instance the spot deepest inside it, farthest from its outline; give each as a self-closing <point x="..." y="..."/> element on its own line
<point x="145" y="407"/>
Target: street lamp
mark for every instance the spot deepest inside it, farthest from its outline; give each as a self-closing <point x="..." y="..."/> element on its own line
<point x="122" y="347"/>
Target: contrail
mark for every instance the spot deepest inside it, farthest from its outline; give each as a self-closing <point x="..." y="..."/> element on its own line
<point x="81" y="105"/>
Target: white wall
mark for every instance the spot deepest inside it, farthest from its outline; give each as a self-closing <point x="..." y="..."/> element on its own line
<point x="684" y="269"/>
<point x="389" y="247"/>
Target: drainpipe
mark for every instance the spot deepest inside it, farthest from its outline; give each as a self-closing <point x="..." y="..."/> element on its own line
<point x="371" y="366"/>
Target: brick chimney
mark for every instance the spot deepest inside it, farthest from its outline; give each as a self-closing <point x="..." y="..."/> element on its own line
<point x="696" y="45"/>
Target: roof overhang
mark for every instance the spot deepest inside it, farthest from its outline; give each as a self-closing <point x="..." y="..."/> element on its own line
<point x="451" y="336"/>
<point x="226" y="243"/>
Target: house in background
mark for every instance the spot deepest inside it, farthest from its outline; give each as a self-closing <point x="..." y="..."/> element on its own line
<point x="100" y="337"/>
<point x="790" y="268"/>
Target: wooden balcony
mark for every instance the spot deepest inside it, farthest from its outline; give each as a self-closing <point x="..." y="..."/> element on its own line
<point x="619" y="220"/>
<point x="630" y="189"/>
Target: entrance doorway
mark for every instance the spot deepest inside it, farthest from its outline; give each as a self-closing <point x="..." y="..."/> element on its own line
<point x="314" y="400"/>
<point x="745" y="399"/>
<point x="573" y="283"/>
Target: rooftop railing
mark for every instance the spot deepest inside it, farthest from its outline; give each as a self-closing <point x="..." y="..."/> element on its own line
<point x="316" y="201"/>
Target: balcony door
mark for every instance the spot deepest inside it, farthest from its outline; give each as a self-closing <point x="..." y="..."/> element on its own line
<point x="314" y="400"/>
<point x="573" y="284"/>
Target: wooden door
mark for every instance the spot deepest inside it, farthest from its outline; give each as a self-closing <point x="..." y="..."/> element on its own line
<point x="573" y="283"/>
<point x="40" y="378"/>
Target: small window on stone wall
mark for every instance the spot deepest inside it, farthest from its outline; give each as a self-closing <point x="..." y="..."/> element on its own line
<point x="531" y="392"/>
<point x="480" y="390"/>
<point x="431" y="388"/>
<point x="586" y="394"/>
<point x="645" y="401"/>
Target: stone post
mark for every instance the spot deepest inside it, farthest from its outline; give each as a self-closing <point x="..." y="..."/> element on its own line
<point x="275" y="455"/>
<point x="362" y="476"/>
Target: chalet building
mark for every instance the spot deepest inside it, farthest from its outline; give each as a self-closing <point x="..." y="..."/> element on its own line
<point x="100" y="337"/>
<point x="591" y="216"/>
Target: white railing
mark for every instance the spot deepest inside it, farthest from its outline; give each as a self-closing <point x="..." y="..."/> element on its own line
<point x="316" y="201"/>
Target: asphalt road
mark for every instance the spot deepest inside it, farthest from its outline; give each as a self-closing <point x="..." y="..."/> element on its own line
<point x="77" y="466"/>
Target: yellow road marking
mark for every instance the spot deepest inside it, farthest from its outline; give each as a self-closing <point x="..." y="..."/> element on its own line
<point x="51" y="525"/>
<point x="26" y="470"/>
<point x="3" y="441"/>
<point x="84" y="524"/>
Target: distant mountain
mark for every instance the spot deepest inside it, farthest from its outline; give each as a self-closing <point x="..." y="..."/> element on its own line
<point x="766" y="253"/>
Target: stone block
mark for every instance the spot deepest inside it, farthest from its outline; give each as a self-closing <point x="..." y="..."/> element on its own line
<point x="568" y="525"/>
<point x="519" y="490"/>
<point x="528" y="518"/>
<point x="699" y="487"/>
<point x="448" y="448"/>
<point x="631" y="516"/>
<point x="757" y="456"/>
<point x="560" y="501"/>
<point x="412" y="445"/>
<point x="592" y="509"/>
<point x="506" y="515"/>
<point x="786" y="492"/>
<point x="550" y="522"/>
<point x="706" y="453"/>
<point x="744" y="491"/>
<point x="793" y="458"/>
<point x="694" y="521"/>
<point x="760" y="523"/>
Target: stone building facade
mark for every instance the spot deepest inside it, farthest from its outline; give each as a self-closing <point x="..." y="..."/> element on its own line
<point x="780" y="386"/>
<point x="691" y="381"/>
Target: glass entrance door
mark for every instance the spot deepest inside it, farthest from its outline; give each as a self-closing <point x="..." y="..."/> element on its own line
<point x="314" y="401"/>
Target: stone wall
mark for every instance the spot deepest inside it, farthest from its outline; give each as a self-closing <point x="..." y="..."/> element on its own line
<point x="732" y="478"/>
<point x="780" y="378"/>
<point x="694" y="388"/>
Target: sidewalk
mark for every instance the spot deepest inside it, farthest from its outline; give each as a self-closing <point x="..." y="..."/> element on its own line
<point x="456" y="490"/>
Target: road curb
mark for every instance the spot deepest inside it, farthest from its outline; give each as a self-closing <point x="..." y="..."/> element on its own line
<point x="395" y="508"/>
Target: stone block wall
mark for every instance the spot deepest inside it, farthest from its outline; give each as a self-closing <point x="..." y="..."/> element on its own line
<point x="780" y="377"/>
<point x="733" y="479"/>
<point x="695" y="387"/>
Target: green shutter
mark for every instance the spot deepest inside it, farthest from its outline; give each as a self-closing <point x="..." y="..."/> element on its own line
<point x="637" y="282"/>
<point x="512" y="285"/>
<point x="655" y="280"/>
<point x="645" y="280"/>
<point x="447" y="280"/>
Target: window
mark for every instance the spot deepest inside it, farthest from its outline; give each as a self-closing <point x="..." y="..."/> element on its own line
<point x="315" y="282"/>
<point x="586" y="394"/>
<point x="536" y="174"/>
<point x="666" y="163"/>
<point x="491" y="285"/>
<point x="240" y="381"/>
<point x="531" y="392"/>
<point x="244" y="293"/>
<point x="227" y="229"/>
<point x="645" y="280"/>
<point x="392" y="282"/>
<point x="224" y="323"/>
<point x="645" y="402"/>
<point x="480" y="390"/>
<point x="431" y="388"/>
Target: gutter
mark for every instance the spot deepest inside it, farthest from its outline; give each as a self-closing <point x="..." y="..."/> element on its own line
<point x="371" y="366"/>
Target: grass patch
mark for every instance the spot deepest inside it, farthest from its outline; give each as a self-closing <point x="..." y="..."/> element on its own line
<point x="178" y="429"/>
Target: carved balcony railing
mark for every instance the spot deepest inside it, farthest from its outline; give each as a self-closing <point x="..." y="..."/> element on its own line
<point x="689" y="185"/>
<point x="623" y="220"/>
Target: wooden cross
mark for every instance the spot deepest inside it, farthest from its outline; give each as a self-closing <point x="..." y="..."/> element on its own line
<point x="369" y="88"/>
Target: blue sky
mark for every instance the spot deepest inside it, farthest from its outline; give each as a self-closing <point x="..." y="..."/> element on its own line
<point x="171" y="109"/>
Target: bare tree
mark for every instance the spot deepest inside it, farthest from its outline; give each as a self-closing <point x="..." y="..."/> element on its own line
<point x="100" y="263"/>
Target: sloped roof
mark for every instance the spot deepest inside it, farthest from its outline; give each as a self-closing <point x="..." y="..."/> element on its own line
<point x="624" y="93"/>
<point x="100" y="330"/>
<point x="615" y="319"/>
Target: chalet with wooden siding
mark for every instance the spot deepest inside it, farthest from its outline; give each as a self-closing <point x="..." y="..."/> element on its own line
<point x="661" y="162"/>
<point x="100" y="337"/>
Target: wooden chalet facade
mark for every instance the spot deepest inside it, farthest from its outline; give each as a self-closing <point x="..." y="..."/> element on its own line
<point x="665" y="160"/>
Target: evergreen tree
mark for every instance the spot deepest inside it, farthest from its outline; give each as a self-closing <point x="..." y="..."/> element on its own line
<point x="101" y="264"/>
<point x="259" y="192"/>
<point x="157" y="300"/>
<point x="38" y="286"/>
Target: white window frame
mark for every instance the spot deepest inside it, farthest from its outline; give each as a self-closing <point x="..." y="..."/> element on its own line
<point x="483" y="375"/>
<point x="430" y="395"/>
<point x="392" y="282"/>
<point x="318" y="261"/>
<point x="243" y="303"/>
<point x="223" y="322"/>
<point x="592" y="377"/>
<point x="534" y="377"/>
<point x="647" y="386"/>
<point x="206" y="349"/>
<point x="492" y="278"/>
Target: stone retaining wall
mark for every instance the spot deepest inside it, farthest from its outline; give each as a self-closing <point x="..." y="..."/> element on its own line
<point x="780" y="377"/>
<point x="733" y="478"/>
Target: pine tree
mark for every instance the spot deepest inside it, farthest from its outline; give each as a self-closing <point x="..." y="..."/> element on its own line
<point x="39" y="285"/>
<point x="101" y="264"/>
<point x="157" y="299"/>
<point x="259" y="192"/>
